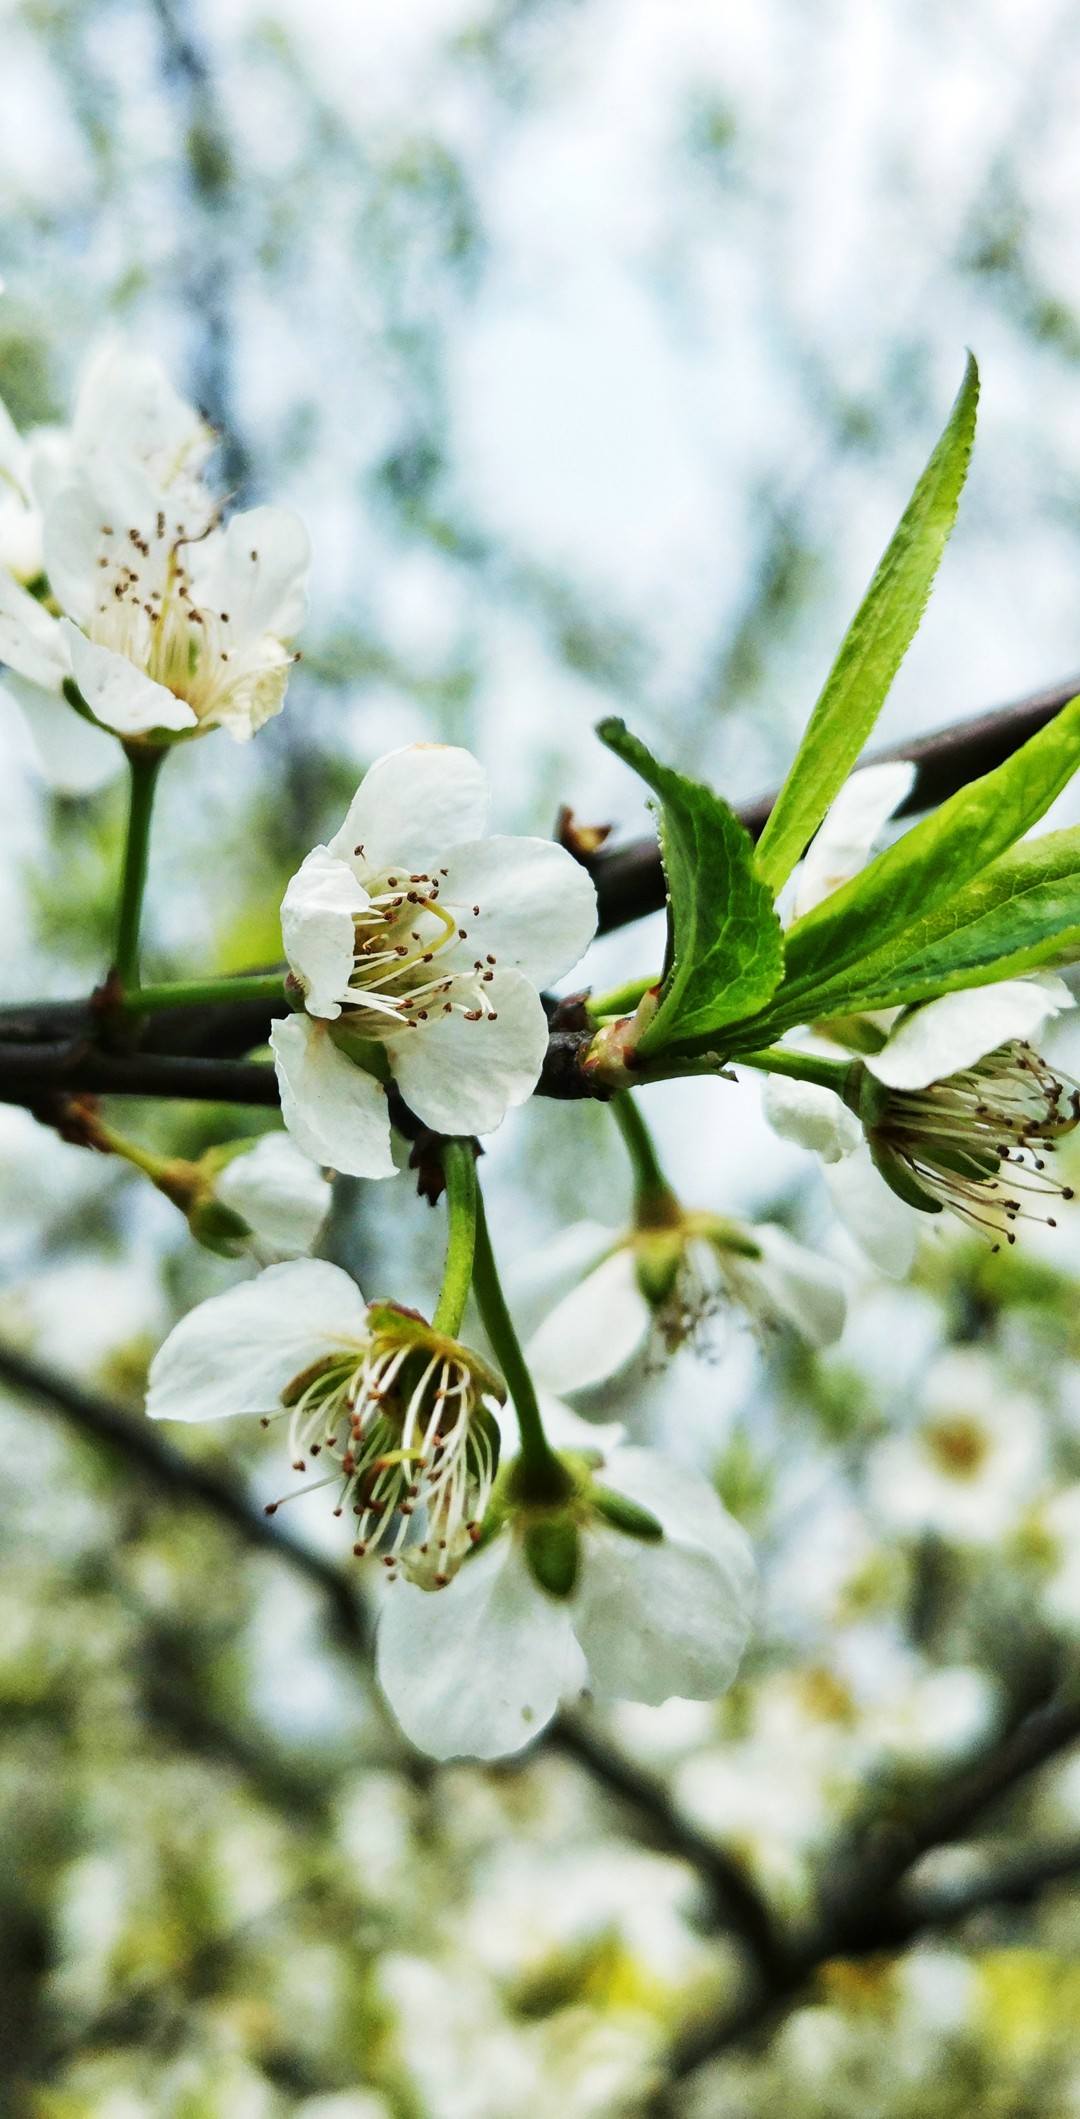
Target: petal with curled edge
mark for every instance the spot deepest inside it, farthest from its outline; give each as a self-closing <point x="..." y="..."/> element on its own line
<point x="336" y="1112"/>
<point x="812" y="1116"/>
<point x="237" y="1352"/>
<point x="320" y="905"/>
<point x="120" y="696"/>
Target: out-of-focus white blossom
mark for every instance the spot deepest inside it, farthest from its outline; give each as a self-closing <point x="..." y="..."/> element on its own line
<point x="648" y="1291"/>
<point x="973" y="1460"/>
<point x="169" y="621"/>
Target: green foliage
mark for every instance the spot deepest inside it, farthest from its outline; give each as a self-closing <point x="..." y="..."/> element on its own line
<point x="923" y="874"/>
<point x="873" y="648"/>
<point x="1022" y="913"/>
<point x="725" y="948"/>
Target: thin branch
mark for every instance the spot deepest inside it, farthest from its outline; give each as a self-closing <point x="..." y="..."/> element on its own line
<point x="139" y="1445"/>
<point x="196" y="1052"/>
<point x="865" y="1903"/>
<point x="739" y="1905"/>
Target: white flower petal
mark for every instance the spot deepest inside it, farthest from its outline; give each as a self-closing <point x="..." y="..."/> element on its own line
<point x="258" y="574"/>
<point x="848" y="834"/>
<point x="594" y="1330"/>
<point x="791" y="1283"/>
<point x="236" y="1352"/>
<point x="281" y="1195"/>
<point x="127" y="407"/>
<point x="122" y="697"/>
<point x="537" y="905"/>
<point x="667" y="1619"/>
<point x="541" y="1279"/>
<point x="411" y="806"/>
<point x="335" y="1111"/>
<point x="463" y="1077"/>
<point x="31" y="642"/>
<point x="566" y="1429"/>
<point x="883" y="1226"/>
<point x="812" y="1116"/>
<point x="75" y="756"/>
<point x="947" y="1035"/>
<point x="476" y="1670"/>
<point x="317" y="914"/>
<point x="75" y="518"/>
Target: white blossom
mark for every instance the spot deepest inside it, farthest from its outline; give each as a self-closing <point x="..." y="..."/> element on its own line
<point x="398" y="1417"/>
<point x="416" y="935"/>
<point x="479" y="1670"/>
<point x="956" y="1110"/>
<point x="279" y="1193"/>
<point x="975" y="1457"/>
<point x="644" y="1292"/>
<point x="169" y="621"/>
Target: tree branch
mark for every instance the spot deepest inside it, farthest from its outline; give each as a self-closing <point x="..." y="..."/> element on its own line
<point x="739" y="1906"/>
<point x="630" y="881"/>
<point x="864" y="1903"/>
<point x="138" y="1444"/>
<point x="196" y="1052"/>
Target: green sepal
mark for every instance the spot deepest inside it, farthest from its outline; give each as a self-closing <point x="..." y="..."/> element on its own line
<point x="657" y="1258"/>
<point x="625" y="1515"/>
<point x="725" y="950"/>
<point x="390" y="1320"/>
<point x="900" y="1178"/>
<point x="553" y="1553"/>
<point x="218" y="1227"/>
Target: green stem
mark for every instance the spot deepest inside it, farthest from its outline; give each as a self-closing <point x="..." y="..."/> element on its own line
<point x="459" y="1170"/>
<point x="248" y="986"/>
<point x="654" y="1198"/>
<point x="545" y="1476"/>
<point x="144" y="764"/>
<point x="113" y="1143"/>
<point x="622" y="1000"/>
<point x="801" y="1066"/>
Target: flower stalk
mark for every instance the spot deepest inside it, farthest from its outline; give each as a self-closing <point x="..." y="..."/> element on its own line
<point x="459" y="1170"/>
<point x="185" y="993"/>
<point x="655" y="1203"/>
<point x="144" y="764"/>
<point x="542" y="1477"/>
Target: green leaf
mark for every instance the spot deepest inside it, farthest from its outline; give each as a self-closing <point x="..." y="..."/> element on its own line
<point x="1021" y="914"/>
<point x="927" y="869"/>
<point x="726" y="949"/>
<point x="874" y="647"/>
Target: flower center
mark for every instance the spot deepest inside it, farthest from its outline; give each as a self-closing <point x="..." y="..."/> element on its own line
<point x="411" y="962"/>
<point x="413" y="1449"/>
<point x="978" y="1142"/>
<point x="148" y="609"/>
<point x="958" y="1445"/>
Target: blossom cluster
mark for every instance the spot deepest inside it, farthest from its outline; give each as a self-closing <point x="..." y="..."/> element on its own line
<point x="528" y="1553"/>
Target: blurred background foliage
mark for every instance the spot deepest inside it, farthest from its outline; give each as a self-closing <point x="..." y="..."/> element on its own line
<point x="598" y="342"/>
